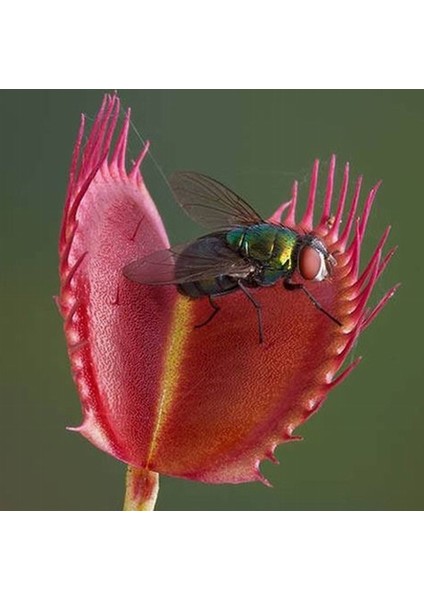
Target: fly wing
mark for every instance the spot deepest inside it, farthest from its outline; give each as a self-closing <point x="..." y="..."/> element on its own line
<point x="204" y="258"/>
<point x="210" y="203"/>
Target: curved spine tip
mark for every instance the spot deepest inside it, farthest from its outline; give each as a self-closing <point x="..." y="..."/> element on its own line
<point x="352" y="340"/>
<point x="73" y="176"/>
<point x="308" y="217"/>
<point x="367" y="208"/>
<point x="118" y="158"/>
<point x="81" y="193"/>
<point x="290" y="220"/>
<point x="110" y="126"/>
<point x="95" y="152"/>
<point x="262" y="479"/>
<point x="334" y="230"/>
<point x="71" y="312"/>
<point x="351" y="215"/>
<point x="70" y="231"/>
<point x="56" y="300"/>
<point x="271" y="457"/>
<point x="345" y="373"/>
<point x="76" y="429"/>
<point x="387" y="259"/>
<point x="139" y="160"/>
<point x="379" y="307"/>
<point x="365" y="293"/>
<point x="326" y="209"/>
<point x="294" y="438"/>
<point x="277" y="217"/>
<point x="364" y="275"/>
<point x="354" y="252"/>
<point x="73" y="270"/>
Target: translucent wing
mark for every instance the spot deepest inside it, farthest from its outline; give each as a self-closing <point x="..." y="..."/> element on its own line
<point x="204" y="258"/>
<point x="210" y="203"/>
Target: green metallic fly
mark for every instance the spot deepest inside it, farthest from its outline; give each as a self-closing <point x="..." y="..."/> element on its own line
<point x="243" y="252"/>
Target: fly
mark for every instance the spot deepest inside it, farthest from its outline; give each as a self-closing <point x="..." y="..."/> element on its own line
<point x="242" y="252"/>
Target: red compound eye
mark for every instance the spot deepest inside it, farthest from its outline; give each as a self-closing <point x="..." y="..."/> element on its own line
<point x="310" y="262"/>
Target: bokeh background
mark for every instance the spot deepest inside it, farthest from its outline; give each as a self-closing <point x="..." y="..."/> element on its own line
<point x="365" y="448"/>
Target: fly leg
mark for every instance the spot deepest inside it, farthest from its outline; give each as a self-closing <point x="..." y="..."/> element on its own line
<point x="258" y="309"/>
<point x="289" y="285"/>
<point x="216" y="310"/>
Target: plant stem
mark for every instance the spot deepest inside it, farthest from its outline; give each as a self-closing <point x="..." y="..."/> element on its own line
<point x="142" y="487"/>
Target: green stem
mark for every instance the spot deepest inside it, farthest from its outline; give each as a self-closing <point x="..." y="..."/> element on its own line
<point x="142" y="487"/>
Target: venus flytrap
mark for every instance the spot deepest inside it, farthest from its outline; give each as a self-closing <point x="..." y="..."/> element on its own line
<point x="204" y="403"/>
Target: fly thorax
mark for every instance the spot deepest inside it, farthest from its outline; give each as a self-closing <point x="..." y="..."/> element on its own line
<point x="284" y="252"/>
<point x="235" y="238"/>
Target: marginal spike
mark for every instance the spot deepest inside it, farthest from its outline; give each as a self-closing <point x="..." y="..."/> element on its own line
<point x="71" y="312"/>
<point x="73" y="270"/>
<point x="78" y="429"/>
<point x="277" y="216"/>
<point x="73" y="176"/>
<point x="373" y="258"/>
<point x="326" y="209"/>
<point x="386" y="260"/>
<point x="334" y="231"/>
<point x="261" y="478"/>
<point x="352" y="212"/>
<point x="269" y="455"/>
<point x="307" y="220"/>
<point x="96" y="128"/>
<point x="367" y="208"/>
<point x="381" y="304"/>
<point x="118" y="158"/>
<point x="96" y="151"/>
<point x="106" y="140"/>
<point x="295" y="438"/>
<point x="81" y="193"/>
<point x="290" y="220"/>
<point x="98" y="143"/>
<point x="366" y="291"/>
<point x="352" y="339"/>
<point x="139" y="160"/>
<point x="67" y="247"/>
<point x="345" y="373"/>
<point x="57" y="302"/>
<point x="354" y="252"/>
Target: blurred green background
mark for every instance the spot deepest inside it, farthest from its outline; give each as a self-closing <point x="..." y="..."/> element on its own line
<point x="365" y="448"/>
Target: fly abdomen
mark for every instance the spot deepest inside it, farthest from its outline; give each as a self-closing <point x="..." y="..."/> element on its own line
<point x="216" y="286"/>
<point x="206" y="253"/>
